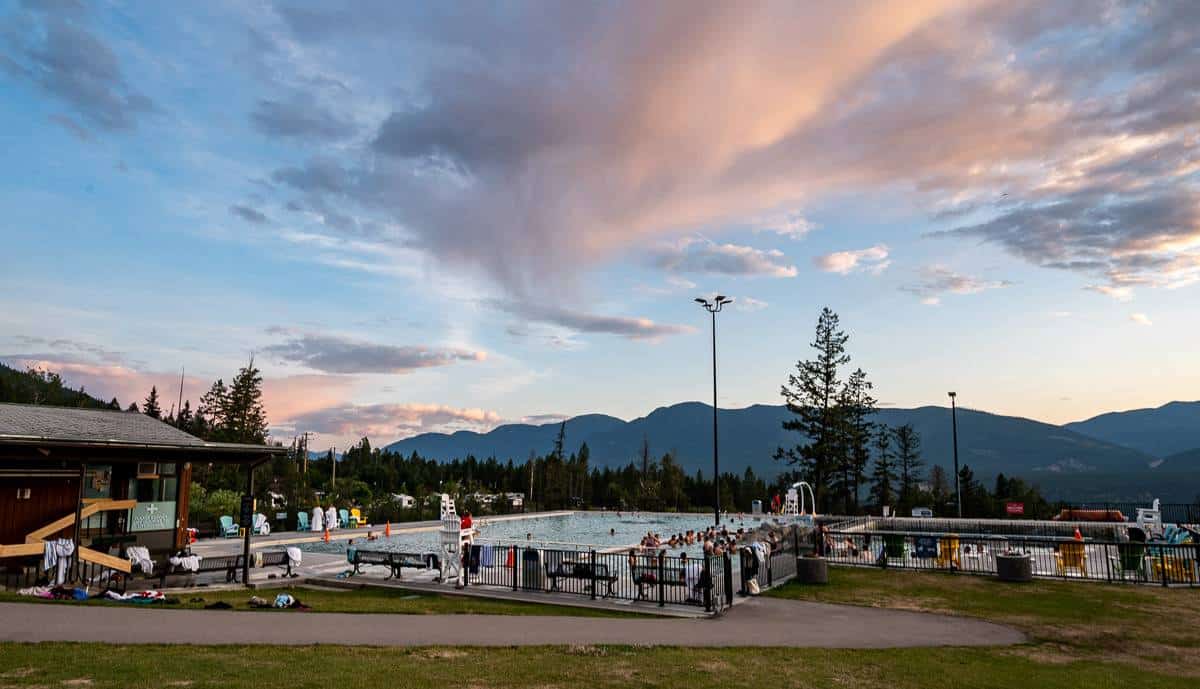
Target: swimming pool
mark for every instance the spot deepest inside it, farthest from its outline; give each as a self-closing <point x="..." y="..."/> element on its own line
<point x="601" y="530"/>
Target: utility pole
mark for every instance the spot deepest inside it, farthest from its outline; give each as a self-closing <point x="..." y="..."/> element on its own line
<point x="180" y="405"/>
<point x="714" y="308"/>
<point x="305" y="452"/>
<point x="333" y="460"/>
<point x="954" y="435"/>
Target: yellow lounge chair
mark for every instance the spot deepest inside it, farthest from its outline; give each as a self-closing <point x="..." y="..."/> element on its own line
<point x="1071" y="556"/>
<point x="948" y="552"/>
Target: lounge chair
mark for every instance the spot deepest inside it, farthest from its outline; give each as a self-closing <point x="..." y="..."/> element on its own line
<point x="1131" y="559"/>
<point x="302" y="521"/>
<point x="356" y="517"/>
<point x="948" y="552"/>
<point x="227" y="528"/>
<point x="262" y="527"/>
<point x="1071" y="555"/>
<point x="344" y="519"/>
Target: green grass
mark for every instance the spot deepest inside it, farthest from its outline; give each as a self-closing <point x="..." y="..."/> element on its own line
<point x="1149" y="626"/>
<point x="1086" y="636"/>
<point x="256" y="667"/>
<point x="366" y="601"/>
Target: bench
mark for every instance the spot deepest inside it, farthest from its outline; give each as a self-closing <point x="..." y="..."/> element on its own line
<point x="393" y="561"/>
<point x="277" y="558"/>
<point x="648" y="575"/>
<point x="584" y="571"/>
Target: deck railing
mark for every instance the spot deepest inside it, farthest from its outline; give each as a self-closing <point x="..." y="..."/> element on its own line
<point x="1052" y="558"/>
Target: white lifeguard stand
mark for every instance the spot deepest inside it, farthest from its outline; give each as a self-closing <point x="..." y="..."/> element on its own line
<point x="793" y="504"/>
<point x="455" y="542"/>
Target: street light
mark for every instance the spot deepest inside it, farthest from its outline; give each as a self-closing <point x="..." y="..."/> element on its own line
<point x="714" y="307"/>
<point x="954" y="434"/>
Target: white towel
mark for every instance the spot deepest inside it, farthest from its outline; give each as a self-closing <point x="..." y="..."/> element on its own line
<point x="318" y="519"/>
<point x="139" y="555"/>
<point x="188" y="563"/>
<point x="58" y="553"/>
<point x="293" y="554"/>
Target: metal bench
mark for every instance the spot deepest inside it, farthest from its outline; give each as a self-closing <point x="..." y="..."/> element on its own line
<point x="583" y="571"/>
<point x="276" y="558"/>
<point x="654" y="575"/>
<point x="393" y="561"/>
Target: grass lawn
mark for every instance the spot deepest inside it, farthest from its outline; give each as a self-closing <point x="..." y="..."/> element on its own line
<point x="356" y="601"/>
<point x="1144" y="627"/>
<point x="1083" y="635"/>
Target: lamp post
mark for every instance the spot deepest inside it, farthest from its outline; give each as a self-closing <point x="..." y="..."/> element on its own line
<point x="954" y="434"/>
<point x="714" y="307"/>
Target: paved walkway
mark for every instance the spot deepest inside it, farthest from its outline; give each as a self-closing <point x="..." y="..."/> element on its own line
<point x="758" y="622"/>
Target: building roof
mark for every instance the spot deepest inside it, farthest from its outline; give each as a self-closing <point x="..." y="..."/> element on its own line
<point x="28" y="424"/>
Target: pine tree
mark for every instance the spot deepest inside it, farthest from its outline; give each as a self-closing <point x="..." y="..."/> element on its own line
<point x="857" y="406"/>
<point x="114" y="404"/>
<point x="883" y="478"/>
<point x="132" y="407"/>
<point x="812" y="397"/>
<point x="150" y="407"/>
<point x="213" y="413"/>
<point x="908" y="457"/>
<point x="246" y="420"/>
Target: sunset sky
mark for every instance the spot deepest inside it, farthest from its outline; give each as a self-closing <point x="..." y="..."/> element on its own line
<point x="433" y="216"/>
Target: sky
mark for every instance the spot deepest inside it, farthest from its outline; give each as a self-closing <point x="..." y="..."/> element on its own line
<point x="437" y="216"/>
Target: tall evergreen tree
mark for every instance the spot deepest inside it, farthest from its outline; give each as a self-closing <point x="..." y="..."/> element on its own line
<point x="883" y="477"/>
<point x="857" y="406"/>
<point x="151" y="407"/>
<point x="908" y="459"/>
<point x="132" y="407"/>
<point x="246" y="420"/>
<point x="812" y="397"/>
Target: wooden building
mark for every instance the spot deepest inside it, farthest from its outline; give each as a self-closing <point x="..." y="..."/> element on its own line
<point x="105" y="479"/>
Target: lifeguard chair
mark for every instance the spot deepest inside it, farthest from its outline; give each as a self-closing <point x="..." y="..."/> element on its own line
<point x="455" y="543"/>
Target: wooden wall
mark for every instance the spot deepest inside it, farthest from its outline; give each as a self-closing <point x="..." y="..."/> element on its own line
<point x="49" y="498"/>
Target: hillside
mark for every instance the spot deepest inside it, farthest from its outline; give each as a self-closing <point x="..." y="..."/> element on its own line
<point x="989" y="443"/>
<point x="1161" y="431"/>
<point x="33" y="387"/>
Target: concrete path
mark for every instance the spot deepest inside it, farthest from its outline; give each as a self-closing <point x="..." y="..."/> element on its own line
<point x="758" y="622"/>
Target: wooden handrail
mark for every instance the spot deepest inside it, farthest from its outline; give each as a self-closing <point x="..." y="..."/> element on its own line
<point x="105" y="560"/>
<point x="21" y="549"/>
<point x="87" y="511"/>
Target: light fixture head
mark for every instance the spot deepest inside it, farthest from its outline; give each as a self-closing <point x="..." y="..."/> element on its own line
<point x="952" y="394"/>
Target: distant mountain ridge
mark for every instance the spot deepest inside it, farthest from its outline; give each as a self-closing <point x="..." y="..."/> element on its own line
<point x="989" y="443"/>
<point x="1160" y="431"/>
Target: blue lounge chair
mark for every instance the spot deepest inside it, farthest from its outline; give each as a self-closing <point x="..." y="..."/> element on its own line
<point x="302" y="521"/>
<point x="228" y="528"/>
<point x="346" y="520"/>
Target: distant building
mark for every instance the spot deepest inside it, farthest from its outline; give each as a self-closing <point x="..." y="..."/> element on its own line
<point x="405" y="501"/>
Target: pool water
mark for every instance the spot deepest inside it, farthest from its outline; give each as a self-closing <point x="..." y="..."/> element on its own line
<point x="601" y="530"/>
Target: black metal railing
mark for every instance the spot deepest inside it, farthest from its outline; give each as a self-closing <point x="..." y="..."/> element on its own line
<point x="1007" y="528"/>
<point x="1172" y="513"/>
<point x="636" y="575"/>
<point x="1087" y="560"/>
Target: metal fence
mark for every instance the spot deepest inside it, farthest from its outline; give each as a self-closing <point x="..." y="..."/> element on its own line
<point x="1089" y="560"/>
<point x="774" y="569"/>
<point x="1008" y="528"/>
<point x="1172" y="513"/>
<point x="637" y="576"/>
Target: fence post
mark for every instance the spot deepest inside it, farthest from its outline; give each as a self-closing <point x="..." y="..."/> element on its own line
<point x="708" y="597"/>
<point x="662" y="591"/>
<point x="1162" y="568"/>
<point x="728" y="577"/>
<point x="593" y="567"/>
<point x="516" y="566"/>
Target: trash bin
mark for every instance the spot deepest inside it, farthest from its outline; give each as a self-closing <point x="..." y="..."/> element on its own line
<point x="532" y="577"/>
<point x="1016" y="567"/>
<point x="812" y="570"/>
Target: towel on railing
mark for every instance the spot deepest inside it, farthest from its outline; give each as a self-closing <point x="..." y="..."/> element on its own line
<point x="293" y="554"/>
<point x="139" y="555"/>
<point x="188" y="563"/>
<point x="58" y="554"/>
<point x="261" y="526"/>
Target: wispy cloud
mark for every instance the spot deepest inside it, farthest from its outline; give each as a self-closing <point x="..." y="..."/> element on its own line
<point x="873" y="260"/>
<point x="388" y="422"/>
<point x="699" y="255"/>
<point x="587" y="322"/>
<point x="936" y="281"/>
<point x="1140" y="319"/>
<point x="331" y="354"/>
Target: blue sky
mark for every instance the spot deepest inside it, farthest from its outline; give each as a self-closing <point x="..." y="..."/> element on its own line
<point x="431" y="218"/>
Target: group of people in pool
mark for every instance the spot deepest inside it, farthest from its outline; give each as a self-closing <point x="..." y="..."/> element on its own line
<point x="715" y="541"/>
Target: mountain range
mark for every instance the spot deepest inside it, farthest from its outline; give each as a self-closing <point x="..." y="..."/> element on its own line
<point x="1104" y="458"/>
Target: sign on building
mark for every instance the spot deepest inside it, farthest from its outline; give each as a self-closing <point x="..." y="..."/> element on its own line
<point x="1014" y="508"/>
